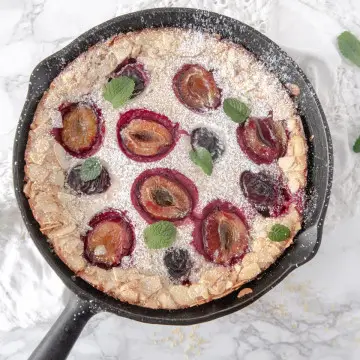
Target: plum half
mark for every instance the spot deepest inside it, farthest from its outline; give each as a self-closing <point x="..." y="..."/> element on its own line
<point x="163" y="194"/>
<point x="134" y="70"/>
<point x="195" y="87"/>
<point x="222" y="233"/>
<point x="146" y="136"/>
<point x="178" y="263"/>
<point x="110" y="239"/>
<point x="208" y="139"/>
<point x="95" y="186"/>
<point x="265" y="192"/>
<point x="83" y="129"/>
<point x="263" y="140"/>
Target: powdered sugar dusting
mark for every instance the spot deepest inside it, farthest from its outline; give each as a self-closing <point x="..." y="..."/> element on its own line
<point x="238" y="75"/>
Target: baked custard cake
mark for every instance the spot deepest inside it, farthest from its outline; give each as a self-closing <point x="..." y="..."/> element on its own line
<point x="167" y="167"/>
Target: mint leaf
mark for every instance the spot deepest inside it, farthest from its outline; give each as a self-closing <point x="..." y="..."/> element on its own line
<point x="279" y="233"/>
<point x="90" y="169"/>
<point x="160" y="235"/>
<point x="236" y="110"/>
<point x="119" y="90"/>
<point x="356" y="146"/>
<point x="202" y="158"/>
<point x="349" y="47"/>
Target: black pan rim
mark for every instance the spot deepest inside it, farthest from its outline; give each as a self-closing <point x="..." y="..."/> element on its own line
<point x="104" y="302"/>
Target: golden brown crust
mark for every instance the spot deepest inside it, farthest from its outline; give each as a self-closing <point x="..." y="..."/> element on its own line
<point x="46" y="164"/>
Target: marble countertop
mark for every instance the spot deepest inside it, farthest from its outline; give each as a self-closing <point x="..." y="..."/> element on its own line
<point x="313" y="314"/>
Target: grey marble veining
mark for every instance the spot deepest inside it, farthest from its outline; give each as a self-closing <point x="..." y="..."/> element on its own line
<point x="313" y="314"/>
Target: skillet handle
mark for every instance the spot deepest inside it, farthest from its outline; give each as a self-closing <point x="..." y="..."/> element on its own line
<point x="307" y="244"/>
<point x="60" y="339"/>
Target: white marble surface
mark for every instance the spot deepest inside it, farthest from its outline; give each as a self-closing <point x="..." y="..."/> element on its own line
<point x="313" y="314"/>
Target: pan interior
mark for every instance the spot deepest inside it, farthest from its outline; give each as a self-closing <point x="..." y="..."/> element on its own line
<point x="320" y="161"/>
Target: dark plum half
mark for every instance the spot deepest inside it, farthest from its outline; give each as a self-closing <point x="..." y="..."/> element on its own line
<point x="133" y="69"/>
<point x="222" y="233"/>
<point x="178" y="263"/>
<point x="195" y="87"/>
<point x="266" y="193"/>
<point x="262" y="139"/>
<point x="164" y="194"/>
<point x="209" y="140"/>
<point x="83" y="129"/>
<point x="110" y="239"/>
<point x="95" y="186"/>
<point x="145" y="135"/>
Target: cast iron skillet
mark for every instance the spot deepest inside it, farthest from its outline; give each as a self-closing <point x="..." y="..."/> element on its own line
<point x="88" y="301"/>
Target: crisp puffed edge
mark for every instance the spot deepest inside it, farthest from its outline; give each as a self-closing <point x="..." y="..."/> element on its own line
<point x="46" y="163"/>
